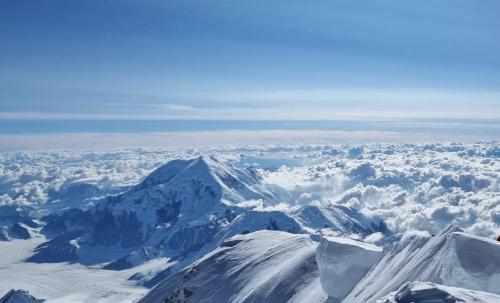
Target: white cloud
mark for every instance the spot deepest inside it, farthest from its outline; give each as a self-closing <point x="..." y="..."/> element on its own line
<point x="100" y="141"/>
<point x="301" y="104"/>
<point x="374" y="237"/>
<point x="355" y="102"/>
<point x="404" y="187"/>
<point x="180" y="107"/>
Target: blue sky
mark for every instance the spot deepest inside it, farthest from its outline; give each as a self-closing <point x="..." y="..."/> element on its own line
<point x="249" y="60"/>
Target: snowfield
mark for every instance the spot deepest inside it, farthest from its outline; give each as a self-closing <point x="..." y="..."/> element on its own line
<point x="422" y="292"/>
<point x="343" y="263"/>
<point x="272" y="266"/>
<point x="62" y="282"/>
<point x="451" y="258"/>
<point x="264" y="266"/>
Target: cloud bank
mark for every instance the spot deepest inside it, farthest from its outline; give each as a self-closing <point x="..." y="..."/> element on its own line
<point x="409" y="186"/>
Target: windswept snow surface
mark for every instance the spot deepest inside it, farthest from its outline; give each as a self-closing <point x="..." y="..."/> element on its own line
<point x="451" y="258"/>
<point x="263" y="266"/>
<point x="62" y="282"/>
<point x="272" y="266"/>
<point x="343" y="263"/>
<point x="425" y="292"/>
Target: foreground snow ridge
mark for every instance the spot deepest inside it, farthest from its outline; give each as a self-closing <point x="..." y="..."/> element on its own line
<point x="275" y="266"/>
<point x="451" y="258"/>
<point x="342" y="263"/>
<point x="263" y="266"/>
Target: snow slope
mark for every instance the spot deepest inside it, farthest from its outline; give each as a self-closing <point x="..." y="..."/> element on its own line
<point x="62" y="282"/>
<point x="269" y="266"/>
<point x="263" y="266"/>
<point x="19" y="296"/>
<point x="337" y="218"/>
<point x="343" y="263"/>
<point x="425" y="292"/>
<point x="451" y="258"/>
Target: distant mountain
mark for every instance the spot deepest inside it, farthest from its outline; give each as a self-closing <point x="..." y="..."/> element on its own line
<point x="339" y="219"/>
<point x="183" y="210"/>
<point x="19" y="296"/>
<point x="15" y="223"/>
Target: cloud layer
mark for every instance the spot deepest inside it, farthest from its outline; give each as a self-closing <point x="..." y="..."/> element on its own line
<point x="409" y="186"/>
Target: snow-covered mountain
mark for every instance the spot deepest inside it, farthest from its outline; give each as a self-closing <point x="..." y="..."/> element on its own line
<point x="182" y="219"/>
<point x="264" y="266"/>
<point x="181" y="211"/>
<point x="184" y="197"/>
<point x="340" y="219"/>
<point x="452" y="258"/>
<point x="19" y="296"/>
<point x="343" y="263"/>
<point x="444" y="183"/>
<point x="273" y="266"/>
<point x="15" y="223"/>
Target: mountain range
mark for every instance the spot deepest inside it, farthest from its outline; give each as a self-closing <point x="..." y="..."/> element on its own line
<point x="181" y="211"/>
<point x="221" y="235"/>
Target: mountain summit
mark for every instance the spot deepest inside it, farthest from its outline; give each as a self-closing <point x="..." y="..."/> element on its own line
<point x="181" y="211"/>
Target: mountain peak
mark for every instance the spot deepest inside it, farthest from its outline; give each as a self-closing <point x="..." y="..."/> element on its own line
<point x="165" y="173"/>
<point x="172" y="169"/>
<point x="19" y="296"/>
<point x="174" y="209"/>
<point x="235" y="184"/>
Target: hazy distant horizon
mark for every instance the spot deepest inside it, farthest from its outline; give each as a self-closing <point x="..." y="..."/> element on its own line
<point x="88" y="134"/>
<point x="120" y="67"/>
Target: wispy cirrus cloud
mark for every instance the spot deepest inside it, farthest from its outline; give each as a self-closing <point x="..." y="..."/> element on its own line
<point x="295" y="104"/>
